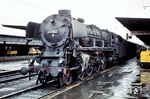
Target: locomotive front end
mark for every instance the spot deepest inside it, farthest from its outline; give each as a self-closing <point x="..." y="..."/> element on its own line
<point x="55" y="29"/>
<point x="55" y="34"/>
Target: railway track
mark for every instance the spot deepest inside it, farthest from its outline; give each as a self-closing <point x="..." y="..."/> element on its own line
<point x="12" y="77"/>
<point x="8" y="73"/>
<point x="23" y="91"/>
<point x="19" y="92"/>
<point x="41" y="92"/>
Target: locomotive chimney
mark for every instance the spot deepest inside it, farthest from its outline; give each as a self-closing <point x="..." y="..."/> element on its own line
<point x="65" y="13"/>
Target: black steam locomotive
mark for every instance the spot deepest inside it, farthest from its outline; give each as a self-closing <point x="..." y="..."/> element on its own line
<point x="73" y="50"/>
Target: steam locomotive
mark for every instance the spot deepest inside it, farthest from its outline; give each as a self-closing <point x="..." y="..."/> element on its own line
<point x="73" y="50"/>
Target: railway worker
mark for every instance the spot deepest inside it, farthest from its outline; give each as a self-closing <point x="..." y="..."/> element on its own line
<point x="31" y="67"/>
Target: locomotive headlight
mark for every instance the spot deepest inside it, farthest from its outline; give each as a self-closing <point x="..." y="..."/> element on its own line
<point x="61" y="60"/>
<point x="53" y="35"/>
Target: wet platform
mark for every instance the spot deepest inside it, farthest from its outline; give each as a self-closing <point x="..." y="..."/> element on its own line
<point x="114" y="84"/>
<point x="12" y="66"/>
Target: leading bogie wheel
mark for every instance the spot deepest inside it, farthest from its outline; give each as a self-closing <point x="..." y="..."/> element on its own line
<point x="60" y="82"/>
<point x="67" y="79"/>
<point x="103" y="63"/>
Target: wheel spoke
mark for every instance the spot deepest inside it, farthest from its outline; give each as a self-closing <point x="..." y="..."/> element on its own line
<point x="103" y="65"/>
<point x="89" y="70"/>
<point x="81" y="75"/>
<point x="97" y="68"/>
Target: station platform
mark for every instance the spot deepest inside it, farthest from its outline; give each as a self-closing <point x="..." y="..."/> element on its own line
<point x="12" y="66"/>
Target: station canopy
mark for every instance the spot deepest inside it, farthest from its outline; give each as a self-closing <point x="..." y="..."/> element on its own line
<point x="140" y="27"/>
